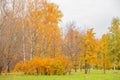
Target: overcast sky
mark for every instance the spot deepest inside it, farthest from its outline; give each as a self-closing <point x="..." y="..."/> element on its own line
<point x="95" y="14"/>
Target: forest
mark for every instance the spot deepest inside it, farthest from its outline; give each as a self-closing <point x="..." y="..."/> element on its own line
<point x="33" y="42"/>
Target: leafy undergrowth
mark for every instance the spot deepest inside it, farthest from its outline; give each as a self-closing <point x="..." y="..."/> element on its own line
<point x="93" y="75"/>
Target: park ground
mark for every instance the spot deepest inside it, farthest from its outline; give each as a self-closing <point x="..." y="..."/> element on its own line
<point x="79" y="75"/>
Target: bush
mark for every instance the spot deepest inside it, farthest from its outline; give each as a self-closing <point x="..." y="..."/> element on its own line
<point x="43" y="66"/>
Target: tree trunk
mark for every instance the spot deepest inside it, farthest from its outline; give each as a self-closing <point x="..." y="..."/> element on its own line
<point x="89" y="68"/>
<point x="1" y="69"/>
<point x="7" y="68"/>
<point x="85" y="66"/>
<point x="80" y="66"/>
<point x="75" y="67"/>
<point x="104" y="69"/>
<point x="31" y="46"/>
<point x="23" y="32"/>
<point x="92" y="67"/>
<point x="69" y="70"/>
<point x="23" y="42"/>
<point x="114" y="67"/>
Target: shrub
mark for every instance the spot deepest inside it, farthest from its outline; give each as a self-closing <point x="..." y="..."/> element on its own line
<point x="44" y="66"/>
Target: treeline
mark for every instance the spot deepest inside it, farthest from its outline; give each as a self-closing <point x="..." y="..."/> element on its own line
<point x="30" y="35"/>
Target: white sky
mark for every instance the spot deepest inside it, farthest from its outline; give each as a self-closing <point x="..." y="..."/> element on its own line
<point x="95" y="14"/>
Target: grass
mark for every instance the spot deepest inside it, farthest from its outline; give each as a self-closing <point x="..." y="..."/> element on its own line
<point x="93" y="75"/>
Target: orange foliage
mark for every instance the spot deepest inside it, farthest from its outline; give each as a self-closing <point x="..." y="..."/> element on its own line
<point x="91" y="47"/>
<point x="44" y="66"/>
<point x="45" y="19"/>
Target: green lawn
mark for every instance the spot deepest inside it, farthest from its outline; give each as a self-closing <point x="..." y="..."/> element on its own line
<point x="93" y="75"/>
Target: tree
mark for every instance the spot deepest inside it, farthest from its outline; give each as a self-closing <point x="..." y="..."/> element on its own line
<point x="113" y="41"/>
<point x="72" y="45"/>
<point x="10" y="41"/>
<point x="44" y="30"/>
<point x="91" y="50"/>
<point x="104" y="50"/>
<point x="10" y="32"/>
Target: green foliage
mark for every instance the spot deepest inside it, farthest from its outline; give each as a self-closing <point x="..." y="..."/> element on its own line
<point x="114" y="40"/>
